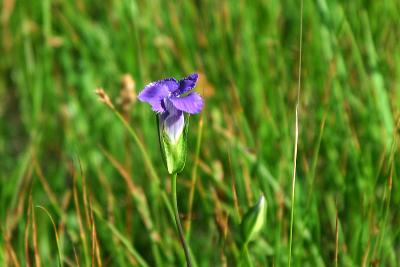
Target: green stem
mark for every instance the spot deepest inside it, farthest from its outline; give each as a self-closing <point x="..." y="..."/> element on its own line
<point x="141" y="146"/>
<point x="245" y="259"/>
<point x="296" y="137"/>
<point x="194" y="178"/>
<point x="147" y="162"/>
<point x="178" y="221"/>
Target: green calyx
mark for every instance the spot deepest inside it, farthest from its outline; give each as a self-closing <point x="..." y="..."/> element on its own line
<point x="173" y="153"/>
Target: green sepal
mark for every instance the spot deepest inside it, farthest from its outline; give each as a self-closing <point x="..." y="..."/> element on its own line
<point x="173" y="154"/>
<point x="253" y="221"/>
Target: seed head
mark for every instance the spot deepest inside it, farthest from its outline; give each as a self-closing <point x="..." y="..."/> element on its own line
<point x="127" y="94"/>
<point x="103" y="97"/>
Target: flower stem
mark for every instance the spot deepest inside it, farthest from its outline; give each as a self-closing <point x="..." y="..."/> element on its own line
<point x="178" y="221"/>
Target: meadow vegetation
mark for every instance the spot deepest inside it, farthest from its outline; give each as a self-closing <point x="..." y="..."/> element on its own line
<point x="78" y="189"/>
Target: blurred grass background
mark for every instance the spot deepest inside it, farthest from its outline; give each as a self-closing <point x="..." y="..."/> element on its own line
<point x="64" y="157"/>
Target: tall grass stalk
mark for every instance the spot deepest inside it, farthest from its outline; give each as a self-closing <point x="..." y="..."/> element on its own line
<point x="142" y="148"/>
<point x="296" y="137"/>
<point x="194" y="177"/>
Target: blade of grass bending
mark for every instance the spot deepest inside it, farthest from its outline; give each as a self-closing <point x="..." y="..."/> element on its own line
<point x="60" y="262"/>
<point x="34" y="238"/>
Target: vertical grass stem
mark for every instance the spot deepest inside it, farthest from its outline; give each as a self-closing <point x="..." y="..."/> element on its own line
<point x="178" y="221"/>
<point x="296" y="137"/>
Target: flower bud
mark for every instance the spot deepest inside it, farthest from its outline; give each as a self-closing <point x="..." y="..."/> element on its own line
<point x="172" y="133"/>
<point x="253" y="220"/>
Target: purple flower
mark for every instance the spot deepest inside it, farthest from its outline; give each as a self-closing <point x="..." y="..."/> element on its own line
<point x="170" y="99"/>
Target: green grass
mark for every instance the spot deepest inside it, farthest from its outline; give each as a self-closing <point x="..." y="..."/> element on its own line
<point x="65" y="157"/>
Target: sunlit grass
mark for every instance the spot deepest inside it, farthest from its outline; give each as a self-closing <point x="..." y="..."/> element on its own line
<point x="108" y="193"/>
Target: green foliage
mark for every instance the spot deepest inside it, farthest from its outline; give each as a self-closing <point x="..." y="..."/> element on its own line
<point x="107" y="193"/>
<point x="253" y="221"/>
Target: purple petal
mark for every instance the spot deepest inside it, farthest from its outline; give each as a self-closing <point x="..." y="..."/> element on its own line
<point x="188" y="83"/>
<point x="155" y="92"/>
<point x="174" y="126"/>
<point x="172" y="121"/>
<point x="192" y="103"/>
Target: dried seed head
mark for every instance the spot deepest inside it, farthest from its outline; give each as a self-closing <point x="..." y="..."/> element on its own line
<point x="206" y="88"/>
<point x="103" y="97"/>
<point x="127" y="95"/>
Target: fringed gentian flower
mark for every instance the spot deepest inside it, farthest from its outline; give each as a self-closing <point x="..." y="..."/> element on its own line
<point x="171" y="99"/>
